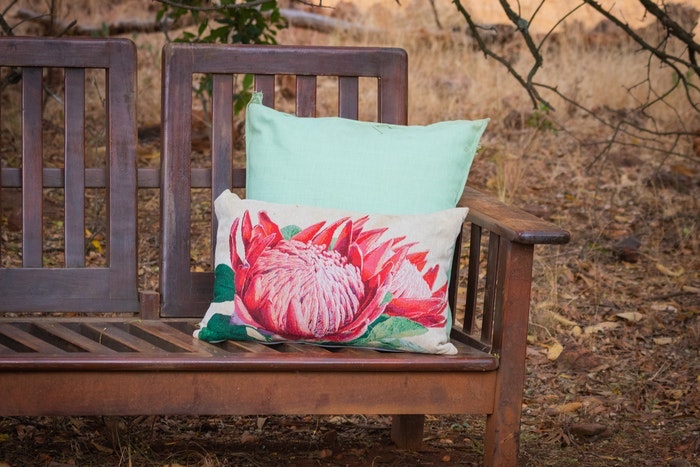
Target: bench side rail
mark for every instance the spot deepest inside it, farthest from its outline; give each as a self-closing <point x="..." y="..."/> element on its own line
<point x="29" y="284"/>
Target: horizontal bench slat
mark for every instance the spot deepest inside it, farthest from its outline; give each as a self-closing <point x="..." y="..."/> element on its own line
<point x="95" y="177"/>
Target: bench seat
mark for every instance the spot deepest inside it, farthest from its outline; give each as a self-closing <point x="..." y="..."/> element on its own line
<point x="71" y="366"/>
<point x="117" y="344"/>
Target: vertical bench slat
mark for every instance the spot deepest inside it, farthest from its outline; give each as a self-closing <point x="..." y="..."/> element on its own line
<point x="74" y="105"/>
<point x="306" y="96"/>
<point x="393" y="90"/>
<point x="348" y="92"/>
<point x="456" y="266"/>
<point x="1" y="183"/>
<point x="175" y="278"/>
<point x="32" y="163"/>
<point x="121" y="131"/>
<point x="266" y="85"/>
<point x="221" y="142"/>
<point x="490" y="289"/>
<point x="472" y="278"/>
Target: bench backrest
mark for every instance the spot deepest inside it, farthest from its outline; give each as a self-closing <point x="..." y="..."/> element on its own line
<point x="184" y="291"/>
<point x="96" y="171"/>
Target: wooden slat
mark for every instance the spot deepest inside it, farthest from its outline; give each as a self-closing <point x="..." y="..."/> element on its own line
<point x="222" y="134"/>
<point x="38" y="52"/>
<point x="455" y="270"/>
<point x="69" y="335"/>
<point x="32" y="160"/>
<point x="490" y="289"/>
<point x="112" y="332"/>
<point x="59" y="289"/>
<point x="169" y="334"/>
<point x="392" y="101"/>
<point x="6" y="350"/>
<point x="148" y="177"/>
<point x="176" y="147"/>
<point x="74" y="140"/>
<point x="121" y="153"/>
<point x="306" y="96"/>
<point x="55" y="177"/>
<point x="472" y="278"/>
<point x="297" y="60"/>
<point x="221" y="143"/>
<point x="266" y="85"/>
<point x="198" y="346"/>
<point x="29" y="340"/>
<point x="348" y="97"/>
<point x="2" y="183"/>
<point x="305" y="349"/>
<point x="252" y="347"/>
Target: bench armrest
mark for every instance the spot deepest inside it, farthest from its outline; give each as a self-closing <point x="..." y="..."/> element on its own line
<point x="509" y="222"/>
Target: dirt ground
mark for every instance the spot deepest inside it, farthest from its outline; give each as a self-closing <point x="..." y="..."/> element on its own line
<point x="613" y="370"/>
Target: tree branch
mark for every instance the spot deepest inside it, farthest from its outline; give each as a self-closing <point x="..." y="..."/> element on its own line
<point x="535" y="96"/>
<point x="638" y="128"/>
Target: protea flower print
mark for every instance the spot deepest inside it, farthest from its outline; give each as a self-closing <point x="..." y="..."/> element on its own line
<point x="328" y="282"/>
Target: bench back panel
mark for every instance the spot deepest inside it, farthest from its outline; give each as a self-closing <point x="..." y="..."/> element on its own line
<point x="31" y="279"/>
<point x="185" y="292"/>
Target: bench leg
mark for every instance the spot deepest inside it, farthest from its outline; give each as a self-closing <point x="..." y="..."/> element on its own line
<point x="502" y="439"/>
<point x="407" y="431"/>
<point x="502" y="436"/>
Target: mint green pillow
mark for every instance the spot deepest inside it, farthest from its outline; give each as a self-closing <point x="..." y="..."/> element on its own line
<point x="368" y="167"/>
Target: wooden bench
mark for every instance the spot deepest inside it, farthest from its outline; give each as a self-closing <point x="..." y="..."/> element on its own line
<point x="79" y="338"/>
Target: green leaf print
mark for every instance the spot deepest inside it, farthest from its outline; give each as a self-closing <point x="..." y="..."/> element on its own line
<point x="289" y="231"/>
<point x="390" y="328"/>
<point x="219" y="328"/>
<point x="224" y="290"/>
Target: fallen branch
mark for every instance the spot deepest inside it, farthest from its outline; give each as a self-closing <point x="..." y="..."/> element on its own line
<point x="295" y="18"/>
<point x="105" y="29"/>
<point x="320" y="23"/>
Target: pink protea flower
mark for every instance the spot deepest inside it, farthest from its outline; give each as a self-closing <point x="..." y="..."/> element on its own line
<point x="327" y="282"/>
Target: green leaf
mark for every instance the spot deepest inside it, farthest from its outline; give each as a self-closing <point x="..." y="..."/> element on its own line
<point x="248" y="80"/>
<point x="224" y="290"/>
<point x="202" y="27"/>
